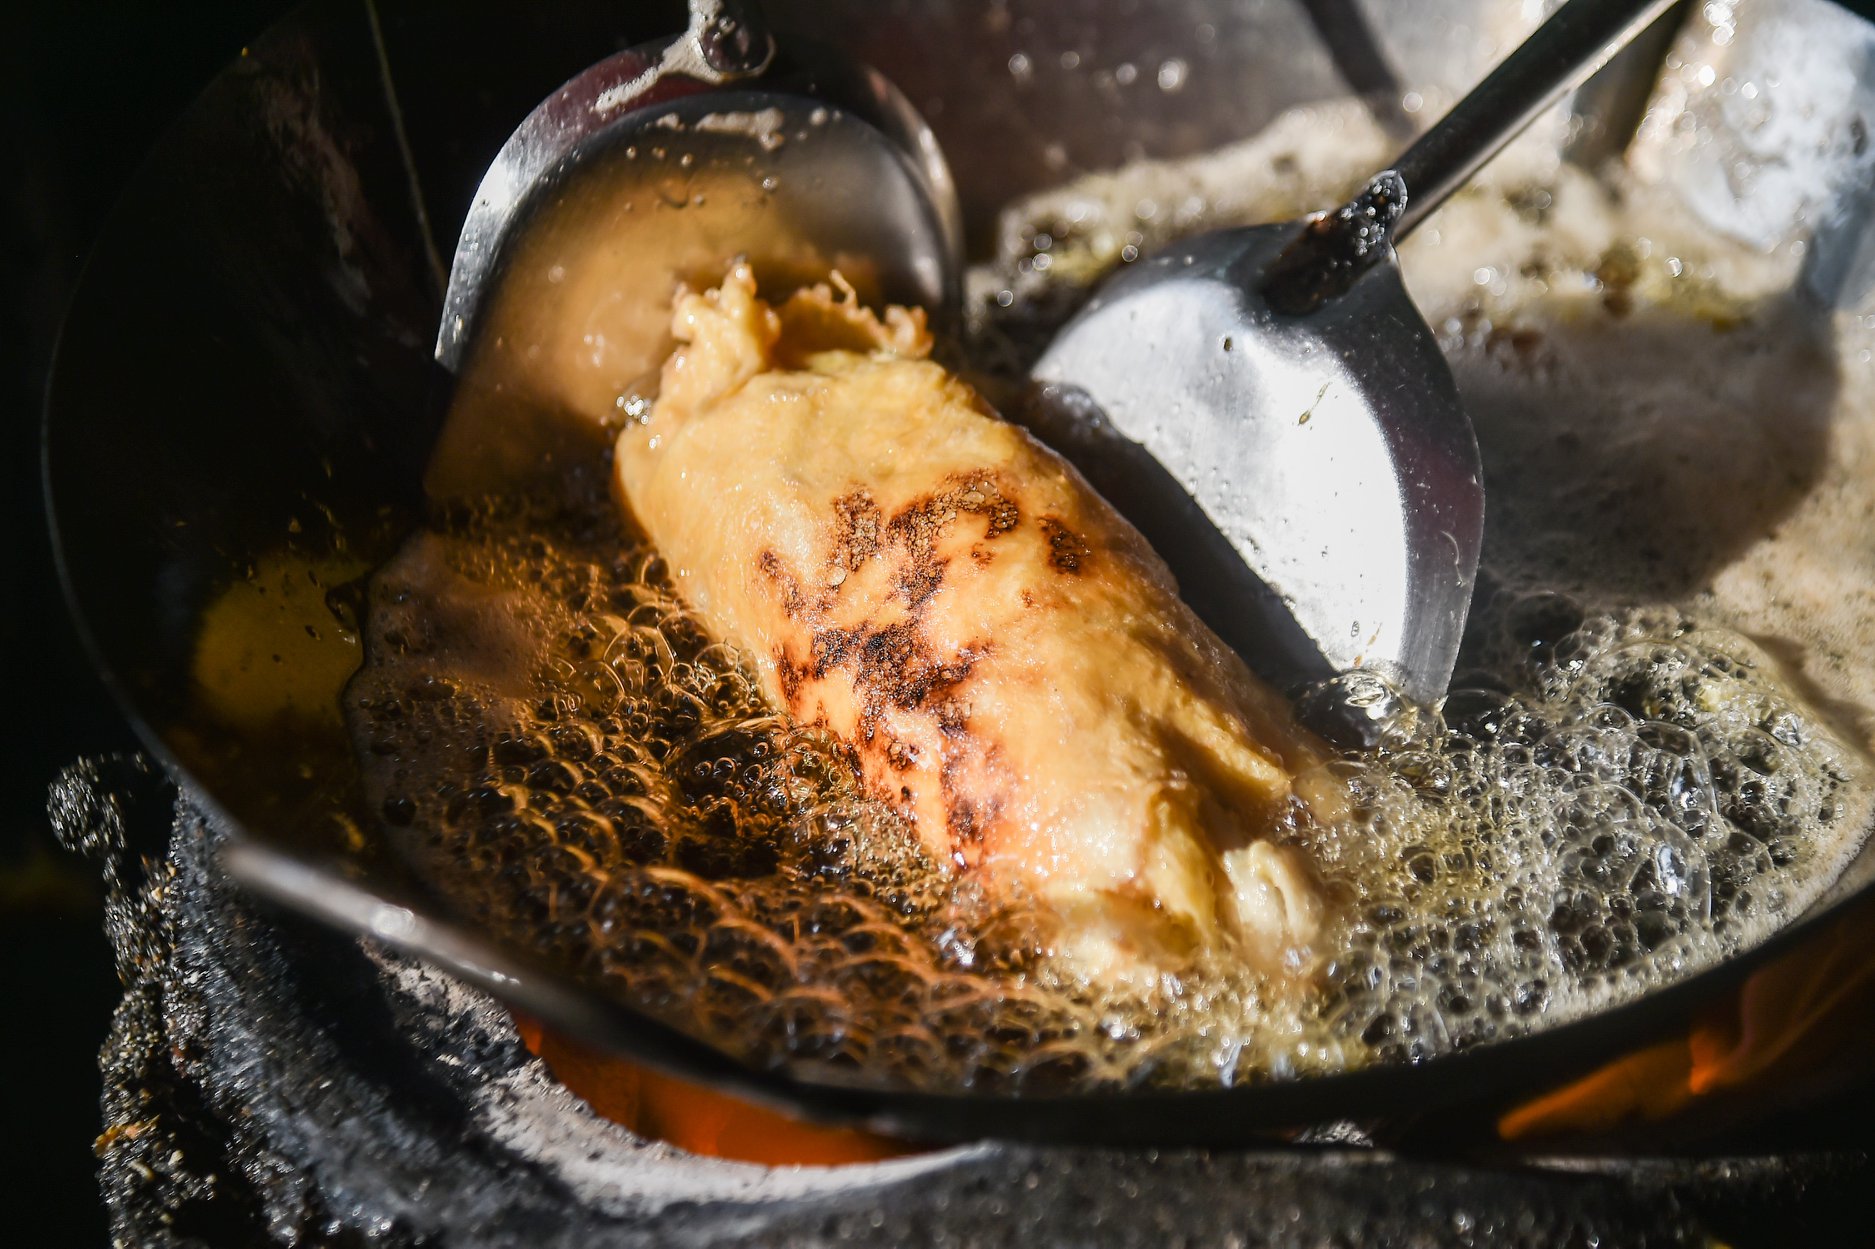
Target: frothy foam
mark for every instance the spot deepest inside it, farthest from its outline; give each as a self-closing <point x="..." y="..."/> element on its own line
<point x="1620" y="791"/>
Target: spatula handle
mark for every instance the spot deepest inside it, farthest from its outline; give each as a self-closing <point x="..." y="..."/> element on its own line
<point x="1573" y="43"/>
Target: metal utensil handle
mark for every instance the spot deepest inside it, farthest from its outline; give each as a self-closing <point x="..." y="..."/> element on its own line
<point x="1573" y="43"/>
<point x="732" y="37"/>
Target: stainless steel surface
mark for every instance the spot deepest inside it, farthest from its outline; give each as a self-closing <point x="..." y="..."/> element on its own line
<point x="1329" y="449"/>
<point x="828" y="150"/>
<point x="247" y="369"/>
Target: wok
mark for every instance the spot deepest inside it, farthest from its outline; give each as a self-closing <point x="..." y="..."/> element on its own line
<point x="247" y="366"/>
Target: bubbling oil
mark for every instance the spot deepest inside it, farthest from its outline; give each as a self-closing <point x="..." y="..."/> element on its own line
<point x="555" y="742"/>
<point x="1610" y="801"/>
<point x="1618" y="793"/>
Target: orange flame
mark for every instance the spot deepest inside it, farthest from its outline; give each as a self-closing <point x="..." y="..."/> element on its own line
<point x="692" y="1117"/>
<point x="1796" y="1025"/>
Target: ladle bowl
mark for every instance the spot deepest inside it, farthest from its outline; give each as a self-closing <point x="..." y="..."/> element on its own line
<point x="667" y="166"/>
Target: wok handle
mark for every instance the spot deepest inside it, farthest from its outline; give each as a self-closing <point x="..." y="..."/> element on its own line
<point x="1576" y="40"/>
<point x="731" y="37"/>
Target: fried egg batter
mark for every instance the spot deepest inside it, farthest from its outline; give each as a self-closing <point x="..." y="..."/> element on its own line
<point x="1006" y="658"/>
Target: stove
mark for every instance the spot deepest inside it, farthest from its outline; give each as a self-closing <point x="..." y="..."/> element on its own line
<point x="270" y="1082"/>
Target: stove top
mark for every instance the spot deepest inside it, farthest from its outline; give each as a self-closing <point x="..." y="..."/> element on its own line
<point x="269" y="1082"/>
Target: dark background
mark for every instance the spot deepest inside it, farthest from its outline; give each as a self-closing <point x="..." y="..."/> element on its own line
<point x="85" y="89"/>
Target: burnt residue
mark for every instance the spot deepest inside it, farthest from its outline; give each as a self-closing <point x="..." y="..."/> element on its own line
<point x="968" y="812"/>
<point x="791" y="675"/>
<point x="892" y="666"/>
<point x="966" y="825"/>
<point x="787" y="588"/>
<point x="1067" y="550"/>
<point x="914" y="531"/>
<point x="1334" y="249"/>
<point x="890" y="658"/>
<point x="856" y="530"/>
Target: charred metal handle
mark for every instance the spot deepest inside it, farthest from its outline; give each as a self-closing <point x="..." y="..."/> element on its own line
<point x="1573" y="43"/>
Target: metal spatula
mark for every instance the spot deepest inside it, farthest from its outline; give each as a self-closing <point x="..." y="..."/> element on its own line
<point x="1270" y="406"/>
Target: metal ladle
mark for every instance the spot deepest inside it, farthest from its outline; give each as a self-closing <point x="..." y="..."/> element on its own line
<point x="1268" y="404"/>
<point x="690" y="151"/>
